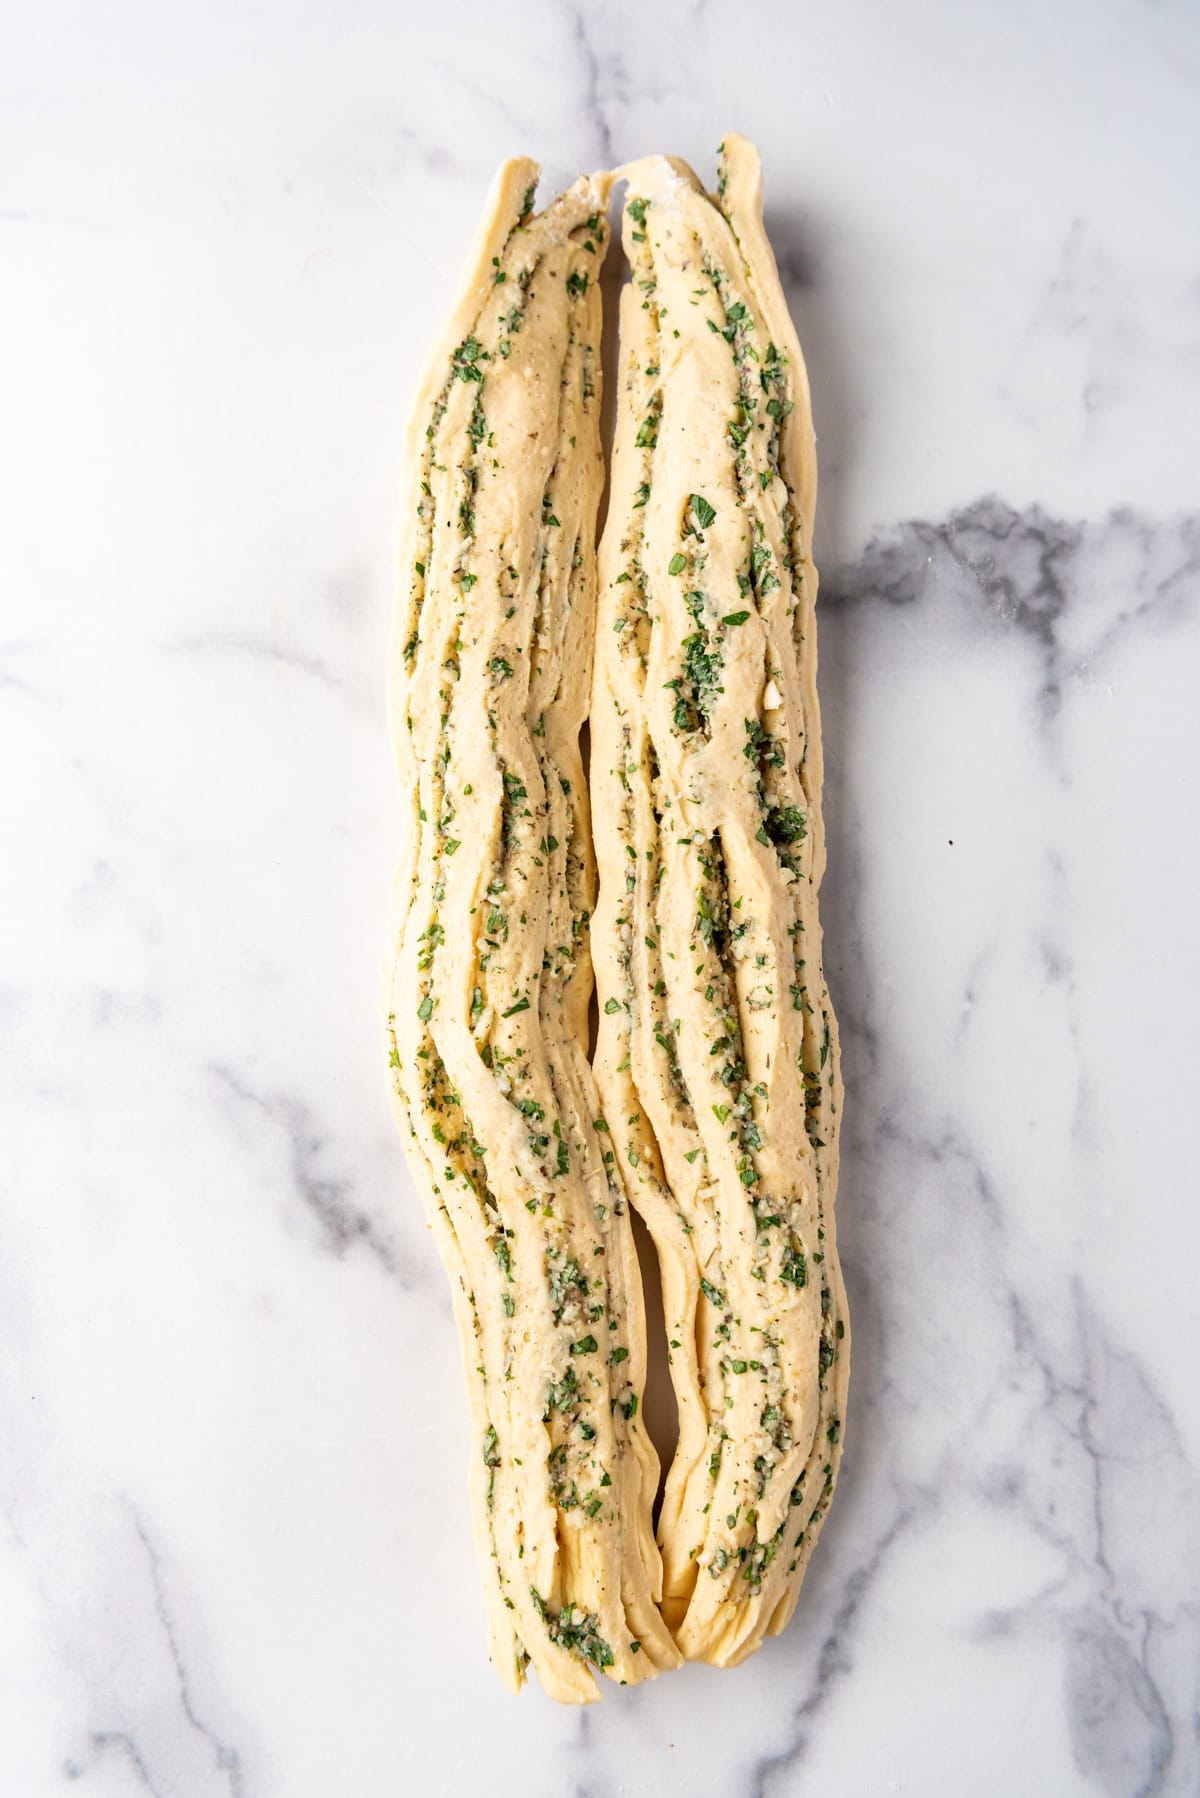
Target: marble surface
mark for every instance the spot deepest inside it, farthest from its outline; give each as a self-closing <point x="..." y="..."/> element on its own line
<point x="233" y="1533"/>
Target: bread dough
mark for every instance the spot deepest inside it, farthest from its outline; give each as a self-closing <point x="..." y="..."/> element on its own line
<point x="487" y="1010"/>
<point x="718" y="1053"/>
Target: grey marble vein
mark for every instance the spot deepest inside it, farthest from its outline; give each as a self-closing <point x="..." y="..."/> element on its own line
<point x="225" y="1756"/>
<point x="258" y="649"/>
<point x="14" y="676"/>
<point x="1033" y="573"/>
<point x="835" y="1660"/>
<point x="597" y="76"/>
<point x="328" y="1198"/>
<point x="105" y="1742"/>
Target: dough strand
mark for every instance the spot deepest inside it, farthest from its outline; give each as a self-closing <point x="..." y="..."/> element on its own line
<point x="488" y="1001"/>
<point x="718" y="1044"/>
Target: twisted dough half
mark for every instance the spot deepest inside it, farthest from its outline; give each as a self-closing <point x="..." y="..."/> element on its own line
<point x="718" y="1046"/>
<point x="492" y="975"/>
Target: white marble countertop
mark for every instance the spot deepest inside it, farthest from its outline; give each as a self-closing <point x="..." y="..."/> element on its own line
<point x="234" y="1547"/>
